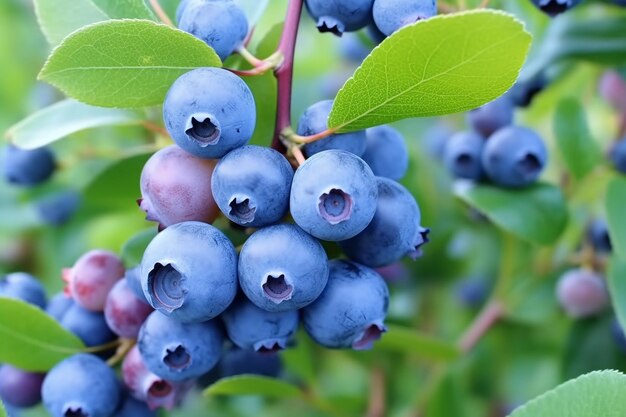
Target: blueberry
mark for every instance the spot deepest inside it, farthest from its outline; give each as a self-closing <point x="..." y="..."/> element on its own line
<point x="435" y="139"/>
<point x="209" y="111"/>
<point x="148" y="387"/>
<point x="176" y="187"/>
<point x="20" y="388"/>
<point x="90" y="326"/>
<point x="555" y="7"/>
<point x="58" y="305"/>
<point x="57" y="209"/>
<point x="333" y="195"/>
<point x="352" y="48"/>
<point x="250" y="327"/>
<point x="514" y="157"/>
<point x="582" y="293"/>
<point x="189" y="272"/>
<point x="396" y="272"/>
<point x="618" y="335"/>
<point x="81" y="386"/>
<point x="130" y="407"/>
<point x="133" y="279"/>
<point x="251" y="186"/>
<point x="612" y="88"/>
<point x="617" y="155"/>
<point x="492" y="116"/>
<point x="375" y="34"/>
<point x="463" y="155"/>
<point x="386" y="153"/>
<point x="183" y="5"/>
<point x="523" y="92"/>
<point x="92" y="277"/>
<point x="394" y="232"/>
<point x="315" y="120"/>
<point x="472" y="292"/>
<point x="243" y="361"/>
<point x="27" y="167"/>
<point x="124" y="312"/>
<point x="598" y="236"/>
<point x="351" y="310"/>
<point x="179" y="351"/>
<point x="391" y="15"/>
<point x="23" y="286"/>
<point x="222" y="24"/>
<point x="338" y="16"/>
<point x="275" y="281"/>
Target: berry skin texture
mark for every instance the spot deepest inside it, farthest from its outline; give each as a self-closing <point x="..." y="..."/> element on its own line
<point x="333" y="195"/>
<point x="220" y="24"/>
<point x="189" y="272"/>
<point x="386" y="153"/>
<point x="617" y="155"/>
<point x="58" y="306"/>
<point x="391" y="15"/>
<point x="463" y="155"/>
<point x="243" y="361"/>
<point x="252" y="328"/>
<point x="23" y="286"/>
<point x="133" y="279"/>
<point x="176" y="187"/>
<point x="582" y="293"/>
<point x="514" y="157"/>
<point x="57" y="209"/>
<point x="282" y="268"/>
<point x="555" y="7"/>
<point x="19" y="388"/>
<point x="90" y="326"/>
<point x="251" y="186"/>
<point x="178" y="351"/>
<point x="351" y="310"/>
<point x="338" y="16"/>
<point x="492" y="116"/>
<point x="124" y="312"/>
<point x="315" y="120"/>
<point x="81" y="385"/>
<point x="393" y="233"/>
<point x="209" y="112"/>
<point x="27" y="168"/>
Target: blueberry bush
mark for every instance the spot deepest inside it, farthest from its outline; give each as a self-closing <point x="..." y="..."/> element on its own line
<point x="331" y="207"/>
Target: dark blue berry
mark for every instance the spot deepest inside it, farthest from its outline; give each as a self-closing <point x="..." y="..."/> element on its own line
<point x="386" y="153"/>
<point x="27" y="167"/>
<point x="463" y="155"/>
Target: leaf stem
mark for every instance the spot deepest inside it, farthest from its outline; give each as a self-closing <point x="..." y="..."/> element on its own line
<point x="124" y="347"/>
<point x="483" y="4"/>
<point x="156" y="6"/>
<point x="102" y="348"/>
<point x="295" y="138"/>
<point x="493" y="311"/>
<point x="248" y="56"/>
<point x="377" y="402"/>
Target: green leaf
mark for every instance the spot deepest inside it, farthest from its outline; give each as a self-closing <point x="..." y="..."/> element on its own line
<point x="616" y="277"/>
<point x="124" y="63"/>
<point x="614" y="205"/>
<point x="405" y="340"/>
<point x="31" y="339"/>
<point x="537" y="214"/>
<point x="442" y="65"/>
<point x="578" y="149"/>
<point x="59" y="18"/>
<point x="64" y="118"/>
<point x="119" y="9"/>
<point x="253" y="385"/>
<point x="133" y="249"/>
<point x="3" y="411"/>
<point x="599" y="393"/>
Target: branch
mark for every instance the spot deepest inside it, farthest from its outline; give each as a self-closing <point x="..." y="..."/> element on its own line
<point x="377" y="394"/>
<point x="158" y="10"/>
<point x="492" y="312"/>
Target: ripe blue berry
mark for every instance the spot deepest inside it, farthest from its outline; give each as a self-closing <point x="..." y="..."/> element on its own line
<point x="598" y="236"/>
<point x="492" y="116"/>
<point x="176" y="187"/>
<point x="189" y="272"/>
<point x="90" y="326"/>
<point x="514" y="157"/>
<point x="282" y="268"/>
<point x="222" y="24"/>
<point x="391" y="15"/>
<point x="333" y="195"/>
<point x="244" y="361"/>
<point x="20" y="388"/>
<point x="179" y="351"/>
<point x="27" y="167"/>
<point x="130" y="407"/>
<point x="183" y="5"/>
<point x="57" y="209"/>
<point x="351" y="310"/>
<point x="133" y="279"/>
<point x="463" y="155"/>
<point x="23" y="286"/>
<point x="386" y="153"/>
<point x="555" y="7"/>
<point x="251" y="186"/>
<point x="58" y="305"/>
<point x="252" y="328"/>
<point x="523" y="92"/>
<point x="617" y="154"/>
<point x="618" y="335"/>
<point x="338" y="16"/>
<point x="472" y="292"/>
<point x="209" y="111"/>
<point x="81" y="386"/>
<point x="315" y="120"/>
<point x="124" y="312"/>
<point x="582" y="293"/>
<point x="393" y="233"/>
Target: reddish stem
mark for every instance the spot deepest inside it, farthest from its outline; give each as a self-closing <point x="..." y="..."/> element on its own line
<point x="492" y="312"/>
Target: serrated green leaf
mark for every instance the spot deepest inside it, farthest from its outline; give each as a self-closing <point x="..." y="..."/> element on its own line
<point x="614" y="206"/>
<point x="442" y="65"/>
<point x="124" y="63"/>
<point x="537" y="214"/>
<point x="120" y="9"/>
<point x="34" y="342"/>
<point x="253" y="385"/>
<point x="59" y="18"/>
<point x="133" y="249"/>
<point x="595" y="394"/>
<point x="578" y="149"/>
<point x="405" y="340"/>
<point x="616" y="278"/>
<point x="64" y="118"/>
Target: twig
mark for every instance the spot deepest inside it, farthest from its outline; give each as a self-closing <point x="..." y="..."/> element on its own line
<point x="161" y="13"/>
<point x="125" y="346"/>
<point x="377" y="402"/>
<point x="492" y="312"/>
<point x="297" y="154"/>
